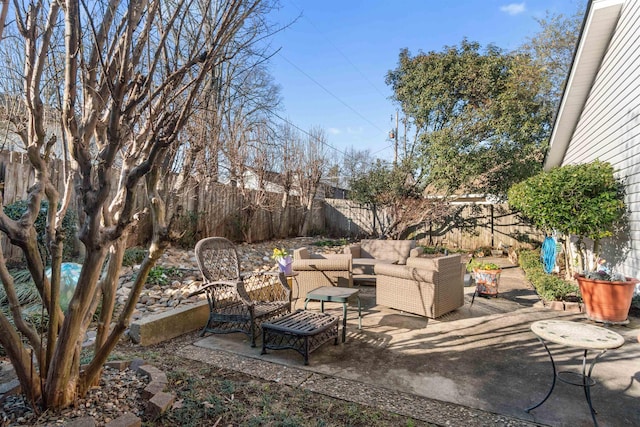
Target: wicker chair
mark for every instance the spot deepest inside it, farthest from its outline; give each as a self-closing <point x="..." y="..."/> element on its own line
<point x="237" y="302"/>
<point x="316" y="270"/>
<point x="427" y="287"/>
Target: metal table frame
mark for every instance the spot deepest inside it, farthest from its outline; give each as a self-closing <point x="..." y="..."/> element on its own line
<point x="556" y="331"/>
<point x="336" y="294"/>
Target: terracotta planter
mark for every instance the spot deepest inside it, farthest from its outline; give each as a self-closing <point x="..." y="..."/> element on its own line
<point x="606" y="301"/>
<point x="487" y="281"/>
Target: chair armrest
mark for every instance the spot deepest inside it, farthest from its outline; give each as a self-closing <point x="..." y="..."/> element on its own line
<point x="416" y="252"/>
<point x="266" y="286"/>
<point x="408" y="273"/>
<point x="334" y="263"/>
<point x="208" y="285"/>
<point x="353" y="250"/>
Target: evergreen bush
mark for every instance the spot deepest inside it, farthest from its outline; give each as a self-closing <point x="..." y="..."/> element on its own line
<point x="550" y="287"/>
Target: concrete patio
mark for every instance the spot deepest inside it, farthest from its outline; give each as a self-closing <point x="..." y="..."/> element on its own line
<point x="479" y="365"/>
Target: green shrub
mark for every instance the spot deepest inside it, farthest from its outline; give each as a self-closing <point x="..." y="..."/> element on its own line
<point x="548" y="286"/>
<point x="585" y="200"/>
<point x="184" y="226"/>
<point x="160" y="275"/>
<point x="331" y="242"/>
<point x="432" y="250"/>
<point x="69" y="226"/>
<point x="133" y="256"/>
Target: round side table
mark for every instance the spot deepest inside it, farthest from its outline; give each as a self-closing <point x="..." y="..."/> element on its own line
<point x="575" y="335"/>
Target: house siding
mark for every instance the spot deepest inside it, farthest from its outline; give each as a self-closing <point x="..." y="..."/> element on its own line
<point x="609" y="128"/>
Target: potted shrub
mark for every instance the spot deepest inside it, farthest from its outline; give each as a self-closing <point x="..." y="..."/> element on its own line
<point x="585" y="201"/>
<point x="607" y="296"/>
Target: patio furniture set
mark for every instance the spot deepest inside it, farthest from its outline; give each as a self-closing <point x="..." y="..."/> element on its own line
<point x="261" y="302"/>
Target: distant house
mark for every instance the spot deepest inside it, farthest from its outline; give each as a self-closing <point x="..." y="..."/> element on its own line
<point x="599" y="115"/>
<point x="271" y="181"/>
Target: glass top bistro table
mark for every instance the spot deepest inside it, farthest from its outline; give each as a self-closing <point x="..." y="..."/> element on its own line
<point x="575" y="335"/>
<point x="336" y="294"/>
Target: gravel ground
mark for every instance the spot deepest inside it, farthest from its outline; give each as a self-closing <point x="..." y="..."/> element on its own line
<point x="118" y="393"/>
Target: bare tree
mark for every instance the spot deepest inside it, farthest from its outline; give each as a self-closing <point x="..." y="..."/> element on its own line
<point x="311" y="167"/>
<point x="132" y="75"/>
<point x="289" y="141"/>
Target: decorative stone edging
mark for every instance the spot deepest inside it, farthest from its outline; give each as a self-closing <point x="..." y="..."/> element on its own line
<point x="158" y="401"/>
<point x="570" y="306"/>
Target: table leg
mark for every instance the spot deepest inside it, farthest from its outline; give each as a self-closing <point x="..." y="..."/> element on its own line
<point x="587" y="382"/>
<point x="359" y="313"/>
<point x="555" y="375"/>
<point x="344" y="321"/>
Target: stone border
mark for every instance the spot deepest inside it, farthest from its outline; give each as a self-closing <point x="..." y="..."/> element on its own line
<point x="570" y="306"/>
<point x="158" y="401"/>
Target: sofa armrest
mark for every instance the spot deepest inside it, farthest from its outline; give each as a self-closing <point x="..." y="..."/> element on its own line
<point x="353" y="250"/>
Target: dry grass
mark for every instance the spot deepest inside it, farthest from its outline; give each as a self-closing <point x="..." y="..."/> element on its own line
<point x="208" y="396"/>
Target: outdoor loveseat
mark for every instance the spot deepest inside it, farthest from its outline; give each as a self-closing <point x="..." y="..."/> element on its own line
<point x="371" y="252"/>
<point x="428" y="287"/>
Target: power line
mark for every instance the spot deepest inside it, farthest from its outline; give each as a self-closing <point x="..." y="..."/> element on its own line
<point x="338" y="50"/>
<point x="330" y="93"/>
<point x="309" y="134"/>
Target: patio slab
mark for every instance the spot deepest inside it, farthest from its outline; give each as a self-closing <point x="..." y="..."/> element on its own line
<point x="465" y="368"/>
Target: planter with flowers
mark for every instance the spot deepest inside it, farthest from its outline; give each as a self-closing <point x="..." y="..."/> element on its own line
<point x="585" y="201"/>
<point x="487" y="277"/>
<point x="283" y="259"/>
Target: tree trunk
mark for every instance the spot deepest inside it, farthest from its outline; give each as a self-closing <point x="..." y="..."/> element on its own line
<point x="63" y="375"/>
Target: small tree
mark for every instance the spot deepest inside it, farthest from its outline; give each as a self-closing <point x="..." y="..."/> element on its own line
<point x="584" y="200"/>
<point x="131" y="77"/>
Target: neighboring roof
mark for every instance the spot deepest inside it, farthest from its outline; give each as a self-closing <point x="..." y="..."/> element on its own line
<point x="597" y="29"/>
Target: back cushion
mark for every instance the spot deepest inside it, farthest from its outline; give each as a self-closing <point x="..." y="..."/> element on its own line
<point x="392" y="250"/>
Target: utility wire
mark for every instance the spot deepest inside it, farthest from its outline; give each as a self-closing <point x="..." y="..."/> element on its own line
<point x="338" y="49"/>
<point x="308" y="134"/>
<point x="330" y="93"/>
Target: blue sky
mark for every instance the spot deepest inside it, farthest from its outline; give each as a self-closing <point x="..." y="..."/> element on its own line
<point x="333" y="60"/>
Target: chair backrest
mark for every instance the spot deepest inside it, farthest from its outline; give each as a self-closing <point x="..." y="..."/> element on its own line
<point x="217" y="259"/>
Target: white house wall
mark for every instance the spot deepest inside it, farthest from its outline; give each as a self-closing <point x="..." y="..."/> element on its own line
<point x="609" y="126"/>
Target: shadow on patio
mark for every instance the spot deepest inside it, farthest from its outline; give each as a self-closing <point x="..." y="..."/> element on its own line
<point x="481" y="356"/>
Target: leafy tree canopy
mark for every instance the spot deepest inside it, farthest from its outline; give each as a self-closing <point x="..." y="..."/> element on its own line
<point x="552" y="49"/>
<point x="481" y="123"/>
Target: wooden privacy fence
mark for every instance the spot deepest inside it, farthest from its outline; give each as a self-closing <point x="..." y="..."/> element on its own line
<point x="205" y="209"/>
<point x="478" y="225"/>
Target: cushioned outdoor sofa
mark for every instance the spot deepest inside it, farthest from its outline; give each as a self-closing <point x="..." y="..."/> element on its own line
<point x="370" y="252"/>
<point x="428" y="287"/>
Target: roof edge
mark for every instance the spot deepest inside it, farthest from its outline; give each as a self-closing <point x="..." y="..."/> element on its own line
<point x="584" y="67"/>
